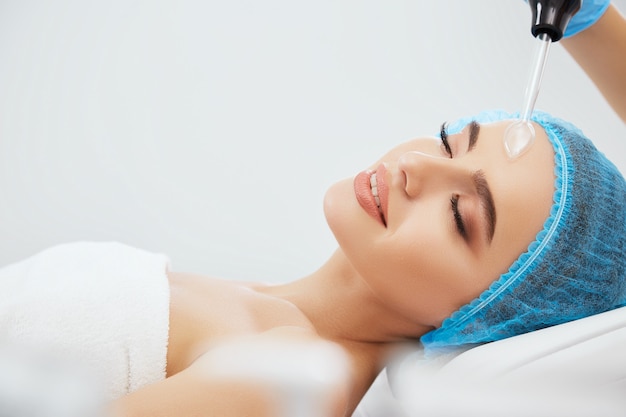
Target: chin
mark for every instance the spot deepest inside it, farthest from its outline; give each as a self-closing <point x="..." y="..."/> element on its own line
<point x="339" y="207"/>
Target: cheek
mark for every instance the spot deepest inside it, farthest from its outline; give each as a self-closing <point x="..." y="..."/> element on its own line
<point x="420" y="276"/>
<point x="409" y="274"/>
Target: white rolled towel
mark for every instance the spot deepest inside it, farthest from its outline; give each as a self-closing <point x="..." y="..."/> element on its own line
<point x="102" y="306"/>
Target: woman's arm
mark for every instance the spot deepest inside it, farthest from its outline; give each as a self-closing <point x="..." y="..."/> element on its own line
<point x="190" y="394"/>
<point x="600" y="50"/>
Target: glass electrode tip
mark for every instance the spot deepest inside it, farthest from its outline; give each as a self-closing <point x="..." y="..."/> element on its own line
<point x="520" y="135"/>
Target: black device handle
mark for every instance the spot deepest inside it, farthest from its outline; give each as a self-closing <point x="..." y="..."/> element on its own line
<point x="552" y="16"/>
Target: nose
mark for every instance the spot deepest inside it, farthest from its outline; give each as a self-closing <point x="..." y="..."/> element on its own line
<point x="424" y="171"/>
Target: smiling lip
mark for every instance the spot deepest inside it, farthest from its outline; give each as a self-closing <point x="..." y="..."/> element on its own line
<point x="363" y="183"/>
<point x="383" y="191"/>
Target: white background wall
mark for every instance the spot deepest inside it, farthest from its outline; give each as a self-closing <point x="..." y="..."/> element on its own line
<point x="210" y="130"/>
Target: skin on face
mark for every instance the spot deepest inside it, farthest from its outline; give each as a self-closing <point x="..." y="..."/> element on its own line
<point x="416" y="261"/>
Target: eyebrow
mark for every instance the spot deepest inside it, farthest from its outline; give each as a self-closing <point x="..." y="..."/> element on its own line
<point x="473" y="135"/>
<point x="482" y="186"/>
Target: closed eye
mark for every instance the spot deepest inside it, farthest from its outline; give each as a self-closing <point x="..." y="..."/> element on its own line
<point x="458" y="219"/>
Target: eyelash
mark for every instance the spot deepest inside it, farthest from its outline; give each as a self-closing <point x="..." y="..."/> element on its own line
<point x="458" y="219"/>
<point x="454" y="201"/>
<point x="444" y="138"/>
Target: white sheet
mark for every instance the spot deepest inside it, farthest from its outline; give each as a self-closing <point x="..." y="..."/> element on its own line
<point x="574" y="369"/>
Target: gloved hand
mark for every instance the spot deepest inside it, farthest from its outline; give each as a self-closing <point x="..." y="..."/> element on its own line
<point x="589" y="13"/>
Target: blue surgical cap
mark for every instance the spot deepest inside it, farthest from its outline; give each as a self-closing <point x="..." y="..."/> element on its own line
<point x="575" y="266"/>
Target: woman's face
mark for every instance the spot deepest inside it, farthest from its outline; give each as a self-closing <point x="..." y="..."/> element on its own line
<point x="450" y="221"/>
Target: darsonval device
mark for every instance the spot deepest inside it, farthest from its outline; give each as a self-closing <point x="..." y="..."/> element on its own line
<point x="549" y="20"/>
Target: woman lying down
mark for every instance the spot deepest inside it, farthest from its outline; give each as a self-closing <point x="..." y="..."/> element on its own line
<point x="445" y="239"/>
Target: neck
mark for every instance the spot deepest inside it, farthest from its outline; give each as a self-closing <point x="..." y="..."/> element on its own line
<point x="342" y="307"/>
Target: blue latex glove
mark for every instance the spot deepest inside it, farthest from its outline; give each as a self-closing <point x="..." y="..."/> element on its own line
<point x="589" y="13"/>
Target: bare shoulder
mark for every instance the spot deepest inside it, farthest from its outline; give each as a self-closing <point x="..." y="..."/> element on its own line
<point x="235" y="349"/>
<point x="204" y="310"/>
<point x="271" y="373"/>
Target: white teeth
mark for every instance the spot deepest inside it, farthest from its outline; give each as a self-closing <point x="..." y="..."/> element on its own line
<point x="374" y="185"/>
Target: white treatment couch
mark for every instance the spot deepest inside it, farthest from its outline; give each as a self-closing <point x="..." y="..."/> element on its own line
<point x="574" y="369"/>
